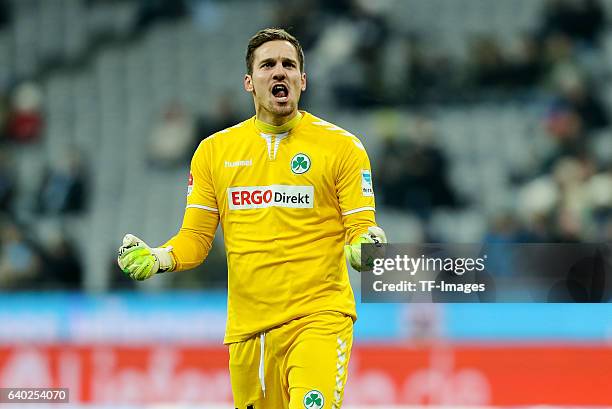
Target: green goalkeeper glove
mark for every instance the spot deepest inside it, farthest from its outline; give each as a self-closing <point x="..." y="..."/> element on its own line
<point x="139" y="261"/>
<point x="375" y="235"/>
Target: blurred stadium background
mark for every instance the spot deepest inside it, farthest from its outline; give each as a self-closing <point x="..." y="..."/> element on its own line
<point x="485" y="120"/>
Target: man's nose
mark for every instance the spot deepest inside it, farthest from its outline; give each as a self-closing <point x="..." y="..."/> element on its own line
<point x="279" y="73"/>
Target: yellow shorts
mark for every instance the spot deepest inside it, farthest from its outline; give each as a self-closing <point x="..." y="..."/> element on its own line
<point x="304" y="364"/>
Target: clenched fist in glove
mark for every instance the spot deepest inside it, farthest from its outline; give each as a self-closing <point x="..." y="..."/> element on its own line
<point x="375" y="235"/>
<point x="139" y="261"/>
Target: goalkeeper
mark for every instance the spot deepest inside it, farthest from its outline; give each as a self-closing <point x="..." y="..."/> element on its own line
<point x="294" y="195"/>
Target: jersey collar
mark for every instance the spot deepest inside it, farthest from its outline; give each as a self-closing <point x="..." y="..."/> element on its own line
<point x="275" y="130"/>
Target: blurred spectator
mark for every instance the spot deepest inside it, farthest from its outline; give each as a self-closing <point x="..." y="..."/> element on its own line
<point x="570" y="217"/>
<point x="579" y="98"/>
<point x="582" y="20"/>
<point x="525" y="65"/>
<point x="487" y="63"/>
<point x="62" y="267"/>
<point x="572" y="204"/>
<point x="8" y="182"/>
<point x="412" y="173"/>
<point x="152" y="11"/>
<point x="566" y="129"/>
<point x="172" y="138"/>
<point x="560" y="61"/>
<point x="360" y="82"/>
<point x="536" y="200"/>
<point x="373" y="32"/>
<point x="429" y="74"/>
<point x="225" y="115"/>
<point x="64" y="187"/>
<point x="304" y="19"/>
<point x="568" y="79"/>
<point x="491" y="67"/>
<point x="567" y="226"/>
<point x="19" y="263"/>
<point x="5" y="13"/>
<point x="25" y="120"/>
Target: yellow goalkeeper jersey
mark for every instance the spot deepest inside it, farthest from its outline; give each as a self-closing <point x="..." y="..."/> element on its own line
<point x="282" y="200"/>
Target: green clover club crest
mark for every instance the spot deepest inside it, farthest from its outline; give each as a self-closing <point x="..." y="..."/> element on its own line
<point x="313" y="400"/>
<point x="300" y="163"/>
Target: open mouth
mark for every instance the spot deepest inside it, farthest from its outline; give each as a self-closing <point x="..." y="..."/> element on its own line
<point x="280" y="92"/>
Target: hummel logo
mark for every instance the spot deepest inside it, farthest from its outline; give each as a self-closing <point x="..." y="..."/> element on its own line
<point x="239" y="163"/>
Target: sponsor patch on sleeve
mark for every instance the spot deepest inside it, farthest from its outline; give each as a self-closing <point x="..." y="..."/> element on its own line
<point x="366" y="183"/>
<point x="190" y="184"/>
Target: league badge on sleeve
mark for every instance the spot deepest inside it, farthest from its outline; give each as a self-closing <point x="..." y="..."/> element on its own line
<point x="190" y="184"/>
<point x="366" y="183"/>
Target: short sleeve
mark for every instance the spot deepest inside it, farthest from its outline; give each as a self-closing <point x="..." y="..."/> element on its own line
<point x="354" y="185"/>
<point x="200" y="189"/>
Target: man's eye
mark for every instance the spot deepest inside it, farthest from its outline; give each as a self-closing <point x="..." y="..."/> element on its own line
<point x="267" y="64"/>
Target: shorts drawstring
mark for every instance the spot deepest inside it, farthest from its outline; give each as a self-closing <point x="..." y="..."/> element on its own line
<point x="262" y="381"/>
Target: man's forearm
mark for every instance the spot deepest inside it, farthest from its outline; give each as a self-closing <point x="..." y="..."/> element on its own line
<point x="357" y="224"/>
<point x="193" y="241"/>
<point x="189" y="248"/>
<point x="361" y="229"/>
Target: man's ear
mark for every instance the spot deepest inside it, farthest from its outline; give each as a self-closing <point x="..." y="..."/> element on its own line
<point x="248" y="83"/>
<point x="303" y="82"/>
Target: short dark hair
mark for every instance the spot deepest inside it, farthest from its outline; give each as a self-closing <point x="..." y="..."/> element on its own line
<point x="271" y="34"/>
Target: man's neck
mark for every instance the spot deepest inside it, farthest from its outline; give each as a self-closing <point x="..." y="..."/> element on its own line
<point x="281" y="128"/>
